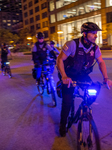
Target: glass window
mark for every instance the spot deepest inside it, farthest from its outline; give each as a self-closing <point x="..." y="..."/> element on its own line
<point x="45" y="24"/>
<point x="4" y="20"/>
<point x="51" y="5"/>
<point x="36" y="1"/>
<point x="37" y="17"/>
<point x="109" y="17"/>
<point x="37" y="9"/>
<point x="32" y="27"/>
<point x="31" y="11"/>
<point x="52" y="29"/>
<point x="30" y="3"/>
<point x="8" y="24"/>
<point x="38" y="26"/>
<point x="26" y="22"/>
<point x="25" y="6"/>
<point x="44" y="5"/>
<point x="52" y="18"/>
<point x="46" y="34"/>
<point x="44" y="15"/>
<point x="25" y="14"/>
<point x="31" y="20"/>
<point x="61" y="3"/>
<point x="108" y="3"/>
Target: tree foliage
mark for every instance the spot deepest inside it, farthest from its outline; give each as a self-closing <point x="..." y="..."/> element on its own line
<point x="54" y="37"/>
<point x="6" y="36"/>
<point x="23" y="34"/>
<point x="75" y="33"/>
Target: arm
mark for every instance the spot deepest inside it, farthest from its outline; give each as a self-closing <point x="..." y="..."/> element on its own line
<point x="103" y="70"/>
<point x="51" y="52"/>
<point x="66" y="80"/>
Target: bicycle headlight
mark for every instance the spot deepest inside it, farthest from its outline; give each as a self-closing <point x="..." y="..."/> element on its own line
<point x="7" y="63"/>
<point x="92" y="92"/>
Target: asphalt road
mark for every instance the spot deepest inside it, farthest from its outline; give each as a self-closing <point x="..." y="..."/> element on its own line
<point x="28" y="123"/>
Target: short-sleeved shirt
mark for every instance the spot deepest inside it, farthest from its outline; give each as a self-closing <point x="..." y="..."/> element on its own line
<point x="69" y="48"/>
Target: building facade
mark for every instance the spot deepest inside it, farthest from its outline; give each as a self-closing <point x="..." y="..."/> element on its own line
<point x="10" y="13"/>
<point x="35" y="16"/>
<point x="64" y="15"/>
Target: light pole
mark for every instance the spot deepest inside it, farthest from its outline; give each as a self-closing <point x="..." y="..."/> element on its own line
<point x="60" y="32"/>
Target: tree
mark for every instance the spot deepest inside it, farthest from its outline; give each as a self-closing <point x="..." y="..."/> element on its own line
<point x="54" y="37"/>
<point x="75" y="33"/>
<point x="5" y="36"/>
<point x="23" y="34"/>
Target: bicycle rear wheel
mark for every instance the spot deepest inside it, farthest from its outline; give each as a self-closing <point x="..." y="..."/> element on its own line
<point x="87" y="134"/>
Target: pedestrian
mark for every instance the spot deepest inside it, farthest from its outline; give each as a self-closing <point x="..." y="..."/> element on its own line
<point x="75" y="63"/>
<point x="40" y="52"/>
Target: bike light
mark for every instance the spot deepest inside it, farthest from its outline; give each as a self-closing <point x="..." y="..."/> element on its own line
<point x="92" y="92"/>
<point x="7" y="63"/>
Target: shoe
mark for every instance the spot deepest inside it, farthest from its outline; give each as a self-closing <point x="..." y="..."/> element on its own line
<point x="62" y="131"/>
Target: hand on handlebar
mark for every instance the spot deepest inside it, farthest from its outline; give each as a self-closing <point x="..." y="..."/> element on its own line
<point x="67" y="80"/>
<point x="109" y="84"/>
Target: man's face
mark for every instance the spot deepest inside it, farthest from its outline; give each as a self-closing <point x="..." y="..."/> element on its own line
<point x="92" y="36"/>
<point x="41" y="40"/>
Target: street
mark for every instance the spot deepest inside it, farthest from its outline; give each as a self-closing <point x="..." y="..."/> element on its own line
<point x="28" y="123"/>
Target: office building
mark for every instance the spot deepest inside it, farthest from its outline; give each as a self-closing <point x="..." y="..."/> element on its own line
<point x="10" y="13"/>
<point x="64" y="15"/>
<point x="35" y="16"/>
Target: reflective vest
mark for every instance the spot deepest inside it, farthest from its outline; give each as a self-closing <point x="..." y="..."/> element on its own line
<point x="41" y="52"/>
<point x="82" y="62"/>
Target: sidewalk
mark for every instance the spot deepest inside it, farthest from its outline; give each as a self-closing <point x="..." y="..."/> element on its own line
<point x="107" y="54"/>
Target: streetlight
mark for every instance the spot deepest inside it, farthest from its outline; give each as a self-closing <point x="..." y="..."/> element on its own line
<point x="60" y="32"/>
<point x="29" y="38"/>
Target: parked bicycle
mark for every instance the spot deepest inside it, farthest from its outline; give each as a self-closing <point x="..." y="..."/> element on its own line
<point x="47" y="81"/>
<point x="87" y="133"/>
<point x="6" y="69"/>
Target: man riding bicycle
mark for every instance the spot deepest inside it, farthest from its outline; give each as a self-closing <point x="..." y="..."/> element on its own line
<point x="4" y="56"/>
<point x="75" y="62"/>
<point x="40" y="52"/>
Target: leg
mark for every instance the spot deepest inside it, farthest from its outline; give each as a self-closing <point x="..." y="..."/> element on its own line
<point x="38" y="73"/>
<point x="67" y="94"/>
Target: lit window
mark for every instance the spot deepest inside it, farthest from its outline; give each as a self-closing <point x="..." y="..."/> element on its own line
<point x="14" y="20"/>
<point x="4" y="21"/>
<point x="8" y="24"/>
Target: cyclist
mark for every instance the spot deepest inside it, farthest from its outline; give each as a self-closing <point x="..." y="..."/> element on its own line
<point x="40" y="51"/>
<point x="4" y="56"/>
<point x="75" y="63"/>
<point x="52" y="43"/>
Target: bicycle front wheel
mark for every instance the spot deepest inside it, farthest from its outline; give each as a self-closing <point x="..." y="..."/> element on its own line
<point x="87" y="134"/>
<point x="9" y="72"/>
<point x="41" y="86"/>
<point x="53" y="94"/>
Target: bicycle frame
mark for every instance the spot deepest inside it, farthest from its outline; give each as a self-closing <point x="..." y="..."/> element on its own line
<point x="84" y="115"/>
<point x="49" y="82"/>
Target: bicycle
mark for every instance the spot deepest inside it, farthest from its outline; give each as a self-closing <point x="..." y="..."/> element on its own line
<point x="6" y="69"/>
<point x="87" y="133"/>
<point x="47" y="81"/>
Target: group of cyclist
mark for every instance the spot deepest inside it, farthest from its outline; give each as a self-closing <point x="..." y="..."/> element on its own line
<point x="74" y="62"/>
